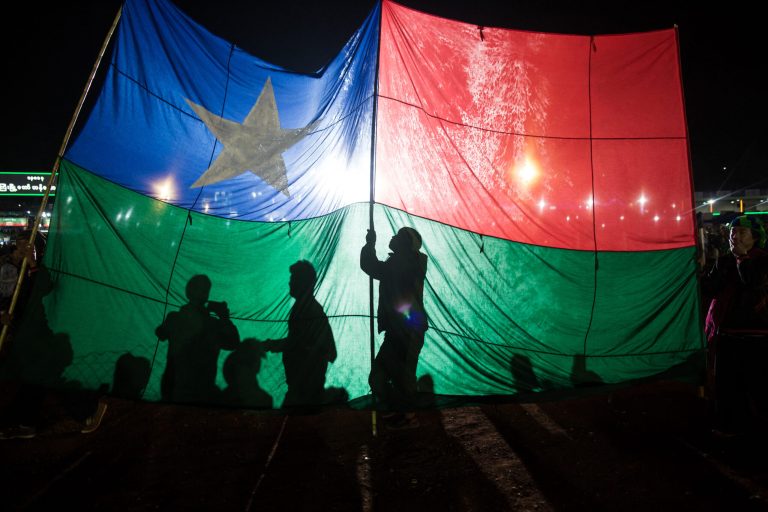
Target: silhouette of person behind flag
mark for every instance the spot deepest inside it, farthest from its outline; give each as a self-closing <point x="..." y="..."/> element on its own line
<point x="195" y="334"/>
<point x="309" y="346"/>
<point x="402" y="318"/>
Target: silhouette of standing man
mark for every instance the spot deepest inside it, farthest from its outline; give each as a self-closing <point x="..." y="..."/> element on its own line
<point x="402" y="317"/>
<point x="309" y="346"/>
<point x="196" y="334"/>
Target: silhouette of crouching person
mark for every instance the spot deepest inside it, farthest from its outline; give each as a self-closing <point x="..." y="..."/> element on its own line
<point x="309" y="346"/>
<point x="241" y="370"/>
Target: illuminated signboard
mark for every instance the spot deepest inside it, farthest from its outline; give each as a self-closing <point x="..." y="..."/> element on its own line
<point x="13" y="222"/>
<point x="24" y="183"/>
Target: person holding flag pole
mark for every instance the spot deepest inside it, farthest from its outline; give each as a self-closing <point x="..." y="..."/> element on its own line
<point x="52" y="179"/>
<point x="402" y="317"/>
<point x="29" y="399"/>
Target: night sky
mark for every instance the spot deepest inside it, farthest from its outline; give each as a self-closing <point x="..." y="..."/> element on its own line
<point x="49" y="52"/>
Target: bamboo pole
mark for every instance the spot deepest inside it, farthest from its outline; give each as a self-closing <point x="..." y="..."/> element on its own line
<point x="54" y="172"/>
<point x="371" y="204"/>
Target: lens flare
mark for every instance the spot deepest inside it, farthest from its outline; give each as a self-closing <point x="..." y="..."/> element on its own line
<point x="527" y="172"/>
<point x="164" y="190"/>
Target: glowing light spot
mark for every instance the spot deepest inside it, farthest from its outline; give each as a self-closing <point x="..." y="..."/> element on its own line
<point x="119" y="217"/>
<point x="568" y="218"/>
<point x="602" y="225"/>
<point x="642" y="200"/>
<point x="206" y="207"/>
<point x="678" y="218"/>
<point x="253" y="195"/>
<point x="711" y="201"/>
<point x="128" y="213"/>
<point x="527" y="172"/>
<point x="656" y="218"/>
<point x="674" y="205"/>
<point x="621" y="218"/>
<point x="69" y="199"/>
<point x="542" y="204"/>
<point x="589" y="202"/>
<point x="164" y="190"/>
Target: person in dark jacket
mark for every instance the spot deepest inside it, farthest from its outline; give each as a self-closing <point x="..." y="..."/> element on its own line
<point x="738" y="282"/>
<point x="402" y="318"/>
<point x="737" y="327"/>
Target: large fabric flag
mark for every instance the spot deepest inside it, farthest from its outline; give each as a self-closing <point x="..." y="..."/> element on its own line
<point x="547" y="174"/>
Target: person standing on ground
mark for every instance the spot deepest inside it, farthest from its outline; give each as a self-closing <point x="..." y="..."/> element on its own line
<point x="737" y="327"/>
<point x="309" y="346"/>
<point x="402" y="318"/>
<point x="37" y="357"/>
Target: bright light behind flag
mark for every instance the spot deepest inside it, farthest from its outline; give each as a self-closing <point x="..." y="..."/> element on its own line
<point x="239" y="137"/>
<point x="547" y="175"/>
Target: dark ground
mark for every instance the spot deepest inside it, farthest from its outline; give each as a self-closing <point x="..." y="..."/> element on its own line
<point x="646" y="446"/>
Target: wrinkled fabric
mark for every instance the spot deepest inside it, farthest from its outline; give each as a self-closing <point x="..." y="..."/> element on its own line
<point x="548" y="176"/>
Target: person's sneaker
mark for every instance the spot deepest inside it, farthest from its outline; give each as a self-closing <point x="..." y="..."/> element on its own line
<point x="18" y="432"/>
<point x="94" y="421"/>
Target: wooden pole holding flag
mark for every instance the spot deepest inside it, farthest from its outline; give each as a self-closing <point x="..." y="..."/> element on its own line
<point x="370" y="208"/>
<point x="54" y="172"/>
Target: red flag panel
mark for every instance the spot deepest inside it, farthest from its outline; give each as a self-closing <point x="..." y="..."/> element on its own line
<point x="535" y="190"/>
<point x="635" y="87"/>
<point x="642" y="195"/>
<point x="489" y="130"/>
<point x="527" y="83"/>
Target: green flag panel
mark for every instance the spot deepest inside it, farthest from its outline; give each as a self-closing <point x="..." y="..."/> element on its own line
<point x="504" y="317"/>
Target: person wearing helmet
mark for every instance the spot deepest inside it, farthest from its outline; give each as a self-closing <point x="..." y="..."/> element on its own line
<point x="738" y="282"/>
<point x="737" y="327"/>
<point x="402" y="318"/>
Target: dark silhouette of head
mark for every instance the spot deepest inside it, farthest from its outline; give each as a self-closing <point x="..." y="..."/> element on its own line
<point x="244" y="361"/>
<point x="406" y="240"/>
<point x="303" y="279"/>
<point x="198" y="289"/>
<point x="131" y="376"/>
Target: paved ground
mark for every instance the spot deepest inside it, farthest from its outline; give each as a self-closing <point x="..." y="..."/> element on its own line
<point x="648" y="446"/>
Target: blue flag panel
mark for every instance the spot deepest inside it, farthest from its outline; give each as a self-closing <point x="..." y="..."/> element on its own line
<point x="193" y="120"/>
